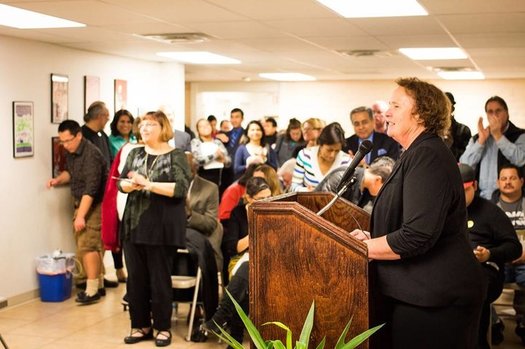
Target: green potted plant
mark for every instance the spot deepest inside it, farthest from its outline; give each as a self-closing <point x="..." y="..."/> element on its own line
<point x="304" y="338"/>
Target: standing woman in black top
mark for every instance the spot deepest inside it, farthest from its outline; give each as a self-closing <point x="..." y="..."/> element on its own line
<point x="425" y="271"/>
<point x="153" y="227"/>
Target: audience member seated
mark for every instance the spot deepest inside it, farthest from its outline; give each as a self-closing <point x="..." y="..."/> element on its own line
<point x="237" y="244"/>
<point x="255" y="151"/>
<point x="493" y="241"/>
<point x="285" y="173"/>
<point x="367" y="184"/>
<point x="363" y="122"/>
<point x="287" y="143"/>
<point x="235" y="240"/>
<point x="509" y="197"/>
<point x="201" y="209"/>
<point x="210" y="153"/>
<point x="314" y="163"/>
<point x="270" y="176"/>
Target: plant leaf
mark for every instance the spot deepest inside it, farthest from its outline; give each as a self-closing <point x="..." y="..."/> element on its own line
<point x="304" y="338"/>
<point x="227" y="338"/>
<point x="286" y="328"/>
<point x="357" y="340"/>
<point x="256" y="337"/>
<point x="277" y="344"/>
<point x="321" y="345"/>
<point x="341" y="341"/>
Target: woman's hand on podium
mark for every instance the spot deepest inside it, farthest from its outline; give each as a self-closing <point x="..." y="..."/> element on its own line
<point x="360" y="235"/>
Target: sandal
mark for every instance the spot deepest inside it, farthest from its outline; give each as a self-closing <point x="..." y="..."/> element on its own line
<point x="131" y="339"/>
<point x="163" y="342"/>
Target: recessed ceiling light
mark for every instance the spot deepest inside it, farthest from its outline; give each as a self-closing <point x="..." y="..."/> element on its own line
<point x="23" y="19"/>
<point x="287" y="76"/>
<point x="435" y="53"/>
<point x="375" y="8"/>
<point x="461" y="75"/>
<point x="199" y="57"/>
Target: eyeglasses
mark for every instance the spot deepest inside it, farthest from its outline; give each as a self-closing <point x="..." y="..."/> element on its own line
<point x="67" y="141"/>
<point x="308" y="129"/>
<point x="148" y="125"/>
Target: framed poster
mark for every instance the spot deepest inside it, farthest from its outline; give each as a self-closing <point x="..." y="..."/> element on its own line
<point x="121" y="94"/>
<point x="91" y="90"/>
<point x="23" y="129"/>
<point x="58" y="157"/>
<point x="59" y="98"/>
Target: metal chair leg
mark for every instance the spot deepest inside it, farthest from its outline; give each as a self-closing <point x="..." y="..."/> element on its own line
<point x="194" y="303"/>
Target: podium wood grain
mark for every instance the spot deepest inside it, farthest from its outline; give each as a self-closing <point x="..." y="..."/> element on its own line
<point x="297" y="257"/>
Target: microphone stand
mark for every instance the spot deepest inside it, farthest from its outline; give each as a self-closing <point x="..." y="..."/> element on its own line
<point x="344" y="188"/>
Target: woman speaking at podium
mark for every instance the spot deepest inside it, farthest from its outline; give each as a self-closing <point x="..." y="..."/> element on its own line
<point x="424" y="272"/>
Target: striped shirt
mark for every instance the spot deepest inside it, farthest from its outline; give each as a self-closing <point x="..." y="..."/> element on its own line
<point x="307" y="171"/>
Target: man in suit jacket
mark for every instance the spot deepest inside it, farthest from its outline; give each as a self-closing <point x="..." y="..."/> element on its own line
<point x="202" y="206"/>
<point x="181" y="140"/>
<point x="363" y="121"/>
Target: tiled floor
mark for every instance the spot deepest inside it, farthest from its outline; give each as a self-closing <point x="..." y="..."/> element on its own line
<point x="36" y="324"/>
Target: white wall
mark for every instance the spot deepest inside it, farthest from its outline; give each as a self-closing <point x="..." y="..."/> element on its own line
<point x="35" y="220"/>
<point x="332" y="101"/>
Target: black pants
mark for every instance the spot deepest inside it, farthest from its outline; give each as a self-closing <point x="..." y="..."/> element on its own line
<point x="409" y="326"/>
<point x="495" y="287"/>
<point x="213" y="175"/>
<point x="149" y="288"/>
<point x="117" y="259"/>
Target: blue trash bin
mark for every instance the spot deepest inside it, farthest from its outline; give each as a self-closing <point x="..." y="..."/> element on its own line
<point x="55" y="288"/>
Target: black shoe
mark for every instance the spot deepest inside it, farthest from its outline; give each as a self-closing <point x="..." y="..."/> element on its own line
<point x="81" y="285"/>
<point x="135" y="339"/>
<point x="199" y="335"/>
<point x="520" y="331"/>
<point x="102" y="292"/>
<point x="160" y="342"/>
<point x="110" y="284"/>
<point x="497" y="333"/>
<point x="84" y="299"/>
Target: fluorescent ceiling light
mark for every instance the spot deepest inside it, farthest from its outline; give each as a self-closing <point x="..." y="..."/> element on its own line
<point x="287" y="76"/>
<point x="375" y="8"/>
<point x="461" y="75"/>
<point x="199" y="57"/>
<point x="23" y="19"/>
<point x="436" y="53"/>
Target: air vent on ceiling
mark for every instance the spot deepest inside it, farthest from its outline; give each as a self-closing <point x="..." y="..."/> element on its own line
<point x="366" y="53"/>
<point x="178" y="38"/>
<point x="451" y="69"/>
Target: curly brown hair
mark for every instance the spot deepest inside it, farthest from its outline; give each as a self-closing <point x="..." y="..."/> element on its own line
<point x="431" y="104"/>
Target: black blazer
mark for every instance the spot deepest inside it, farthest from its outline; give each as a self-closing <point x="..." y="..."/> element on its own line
<point x="421" y="209"/>
<point x="383" y="146"/>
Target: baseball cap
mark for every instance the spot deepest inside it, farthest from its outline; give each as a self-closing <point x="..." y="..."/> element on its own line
<point x="467" y="175"/>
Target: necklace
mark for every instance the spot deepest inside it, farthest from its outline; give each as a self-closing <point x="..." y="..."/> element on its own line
<point x="146" y="170"/>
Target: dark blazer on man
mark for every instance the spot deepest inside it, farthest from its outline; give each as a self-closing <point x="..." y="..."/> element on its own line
<point x="383" y="146"/>
<point x="421" y="210"/>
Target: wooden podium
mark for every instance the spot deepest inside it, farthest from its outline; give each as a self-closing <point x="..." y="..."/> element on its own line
<point x="297" y="257"/>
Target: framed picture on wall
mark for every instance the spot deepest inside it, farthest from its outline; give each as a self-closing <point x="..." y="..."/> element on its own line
<point x="58" y="157"/>
<point x="23" y="129"/>
<point x="91" y="90"/>
<point x="121" y="94"/>
<point x="59" y="98"/>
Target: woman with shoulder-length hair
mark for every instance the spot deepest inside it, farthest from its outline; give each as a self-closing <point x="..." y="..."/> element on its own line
<point x="156" y="177"/>
<point x="287" y="143"/>
<point x="254" y="151"/>
<point x="427" y="276"/>
<point x="314" y="163"/>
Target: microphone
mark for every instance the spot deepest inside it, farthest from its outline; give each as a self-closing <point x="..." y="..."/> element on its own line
<point x="348" y="179"/>
<point x="364" y="148"/>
